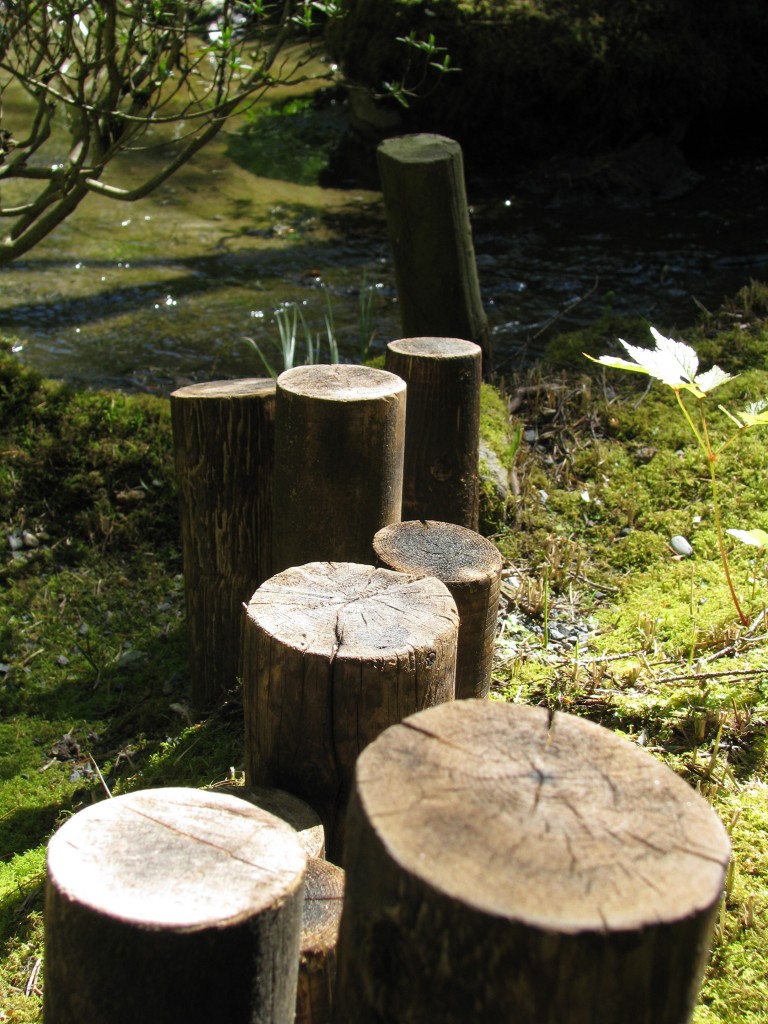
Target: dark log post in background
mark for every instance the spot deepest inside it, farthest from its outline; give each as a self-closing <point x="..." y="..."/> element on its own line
<point x="339" y="437"/>
<point x="470" y="566"/>
<point x="442" y="427"/>
<point x="224" y="447"/>
<point x="422" y="179"/>
<point x="323" y="900"/>
<point x="333" y="654"/>
<point x="170" y="905"/>
<point x="508" y="864"/>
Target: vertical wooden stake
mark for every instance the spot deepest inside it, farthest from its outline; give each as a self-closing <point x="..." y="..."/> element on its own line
<point x="334" y="652"/>
<point x="422" y="178"/>
<point x="470" y="566"/>
<point x="223" y="435"/>
<point x="323" y="900"/>
<point x="170" y="905"/>
<point x="504" y="863"/>
<point x="339" y="436"/>
<point x="442" y="427"/>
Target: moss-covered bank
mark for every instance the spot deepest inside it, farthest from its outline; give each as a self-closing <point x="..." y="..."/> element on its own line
<point x="600" y="617"/>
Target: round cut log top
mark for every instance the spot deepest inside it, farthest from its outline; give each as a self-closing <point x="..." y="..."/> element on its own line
<point x="245" y="387"/>
<point x="420" y="148"/>
<point x="452" y="553"/>
<point x="557" y="823"/>
<point x="345" y="610"/>
<point x="340" y="383"/>
<point x="436" y="348"/>
<point x="176" y="858"/>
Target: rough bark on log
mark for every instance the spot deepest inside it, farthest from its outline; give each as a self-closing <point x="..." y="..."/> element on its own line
<point x="422" y="180"/>
<point x="323" y="900"/>
<point x="338" y="462"/>
<point x="172" y="905"/>
<point x="508" y="864"/>
<point x="333" y="654"/>
<point x="442" y="427"/>
<point x="470" y="566"/>
<point x="297" y="813"/>
<point x="224" y="448"/>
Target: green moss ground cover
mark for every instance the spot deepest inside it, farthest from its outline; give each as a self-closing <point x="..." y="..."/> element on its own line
<point x="93" y="678"/>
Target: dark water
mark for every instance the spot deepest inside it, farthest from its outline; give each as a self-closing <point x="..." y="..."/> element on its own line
<point x="163" y="292"/>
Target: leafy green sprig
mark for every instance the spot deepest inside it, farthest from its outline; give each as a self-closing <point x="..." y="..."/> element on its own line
<point x="676" y="364"/>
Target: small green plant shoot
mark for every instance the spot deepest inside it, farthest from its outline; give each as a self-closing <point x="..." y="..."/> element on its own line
<point x="676" y="364"/>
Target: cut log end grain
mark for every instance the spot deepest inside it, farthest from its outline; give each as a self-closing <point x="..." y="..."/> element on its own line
<point x="323" y="900"/>
<point x="175" y="859"/>
<point x="452" y="553"/>
<point x="245" y="387"/>
<point x="547" y="820"/>
<point x="345" y="610"/>
<point x="436" y="348"/>
<point x="298" y="814"/>
<point x="340" y="383"/>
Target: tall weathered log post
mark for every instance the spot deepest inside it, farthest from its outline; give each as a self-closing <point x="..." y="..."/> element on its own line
<point x="339" y="436"/>
<point x="442" y="427"/>
<point x="334" y="652"/>
<point x="171" y="905"/>
<point x="470" y="566"/>
<point x="508" y="864"/>
<point x="223" y="435"/>
<point x="422" y="178"/>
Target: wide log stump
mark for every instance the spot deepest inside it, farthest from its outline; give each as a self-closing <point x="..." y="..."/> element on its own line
<point x="339" y="438"/>
<point x="297" y="813"/>
<point x="470" y="566"/>
<point x="506" y="864"/>
<point x="442" y="428"/>
<point x="173" y="905"/>
<point x="334" y="653"/>
<point x="223" y="435"/>
<point x="323" y="901"/>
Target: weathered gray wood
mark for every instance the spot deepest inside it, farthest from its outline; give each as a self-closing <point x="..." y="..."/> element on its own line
<point x="508" y="864"/>
<point x="323" y="900"/>
<point x="171" y="905"/>
<point x="422" y="179"/>
<point x="442" y="427"/>
<point x="297" y="813"/>
<point x="470" y="566"/>
<point x="224" y="448"/>
<point x="333" y="654"/>
<point x="339" y="438"/>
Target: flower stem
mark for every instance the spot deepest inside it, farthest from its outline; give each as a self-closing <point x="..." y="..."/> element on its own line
<point x="721" y="542"/>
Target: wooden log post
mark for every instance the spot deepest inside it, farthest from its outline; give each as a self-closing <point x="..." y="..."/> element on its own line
<point x="470" y="566"/>
<point x="508" y="864"/>
<point x="170" y="905"/>
<point x="422" y="180"/>
<point x="333" y="654"/>
<point x="442" y="428"/>
<point x="223" y="435"/>
<point x="323" y="900"/>
<point x="339" y="437"/>
<point x="298" y="814"/>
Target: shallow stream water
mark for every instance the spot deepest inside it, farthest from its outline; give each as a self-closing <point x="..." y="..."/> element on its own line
<point x="158" y="293"/>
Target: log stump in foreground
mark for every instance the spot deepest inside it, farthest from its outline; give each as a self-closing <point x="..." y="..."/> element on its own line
<point x="339" y="437"/>
<point x="223" y="434"/>
<point x="333" y="654"/>
<point x="323" y="900"/>
<point x="503" y="864"/>
<point x="171" y="905"/>
<point x="438" y="291"/>
<point x="470" y="566"/>
<point x="298" y="814"/>
<point x="442" y="428"/>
